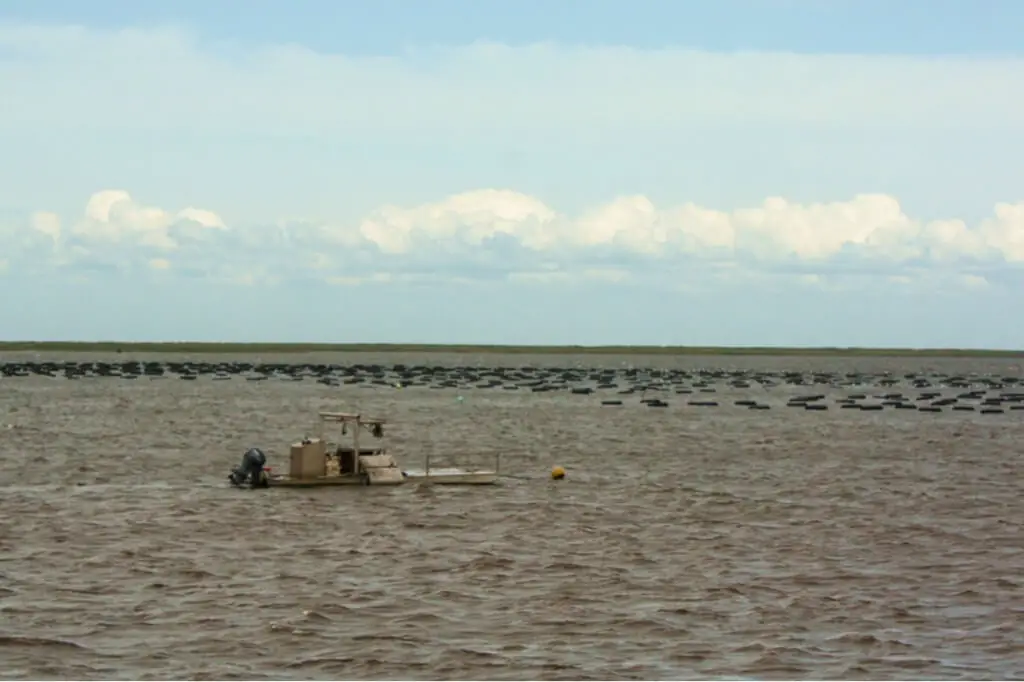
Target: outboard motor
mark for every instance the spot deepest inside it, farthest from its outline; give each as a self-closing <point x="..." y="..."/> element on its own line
<point x="251" y="470"/>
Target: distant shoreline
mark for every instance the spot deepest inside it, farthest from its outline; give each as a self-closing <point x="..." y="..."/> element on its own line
<point x="161" y="347"/>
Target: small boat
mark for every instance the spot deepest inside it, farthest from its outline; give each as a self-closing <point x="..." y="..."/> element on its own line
<point x="316" y="462"/>
<point x="319" y="462"/>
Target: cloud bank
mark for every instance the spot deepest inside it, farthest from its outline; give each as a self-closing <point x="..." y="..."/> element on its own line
<point x="493" y="234"/>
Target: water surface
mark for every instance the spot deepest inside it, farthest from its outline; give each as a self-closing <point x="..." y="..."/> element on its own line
<point x="716" y="542"/>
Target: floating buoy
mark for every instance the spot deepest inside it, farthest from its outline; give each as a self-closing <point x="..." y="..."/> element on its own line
<point x="557" y="473"/>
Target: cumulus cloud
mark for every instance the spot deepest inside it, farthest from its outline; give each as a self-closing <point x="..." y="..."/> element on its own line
<point x="494" y="234"/>
<point x="113" y="232"/>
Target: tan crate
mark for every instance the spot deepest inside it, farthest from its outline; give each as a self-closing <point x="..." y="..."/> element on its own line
<point x="308" y="459"/>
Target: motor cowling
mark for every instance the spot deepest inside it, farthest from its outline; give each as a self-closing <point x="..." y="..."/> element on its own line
<point x="251" y="471"/>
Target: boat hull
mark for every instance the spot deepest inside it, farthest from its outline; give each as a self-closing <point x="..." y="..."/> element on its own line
<point x="325" y="481"/>
<point x="451" y="476"/>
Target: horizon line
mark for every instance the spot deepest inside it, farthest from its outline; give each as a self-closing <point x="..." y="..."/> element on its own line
<point x="220" y="347"/>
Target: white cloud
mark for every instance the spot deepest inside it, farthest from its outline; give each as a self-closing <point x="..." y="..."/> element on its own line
<point x="502" y="234"/>
<point x="47" y="223"/>
<point x="111" y="216"/>
<point x="157" y="83"/>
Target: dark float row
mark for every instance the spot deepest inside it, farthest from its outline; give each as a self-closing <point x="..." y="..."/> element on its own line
<point x="818" y="391"/>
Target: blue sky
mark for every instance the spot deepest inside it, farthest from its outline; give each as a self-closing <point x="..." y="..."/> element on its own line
<point x="739" y="173"/>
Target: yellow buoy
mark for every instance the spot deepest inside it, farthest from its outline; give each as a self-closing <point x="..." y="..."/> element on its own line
<point x="557" y="473"/>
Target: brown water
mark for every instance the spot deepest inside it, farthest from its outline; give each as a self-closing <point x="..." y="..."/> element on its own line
<point x="685" y="542"/>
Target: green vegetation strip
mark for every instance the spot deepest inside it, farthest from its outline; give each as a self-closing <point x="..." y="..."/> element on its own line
<point x="269" y="348"/>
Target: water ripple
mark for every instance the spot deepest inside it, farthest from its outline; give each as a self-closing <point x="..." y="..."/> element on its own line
<point x="768" y="545"/>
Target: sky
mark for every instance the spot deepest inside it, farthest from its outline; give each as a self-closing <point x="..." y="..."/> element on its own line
<point x="758" y="173"/>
